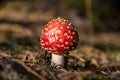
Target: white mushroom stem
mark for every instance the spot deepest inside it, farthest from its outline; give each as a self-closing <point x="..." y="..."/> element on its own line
<point x="57" y="60"/>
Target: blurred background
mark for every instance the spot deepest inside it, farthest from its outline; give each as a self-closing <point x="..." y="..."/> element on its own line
<point x="97" y="22"/>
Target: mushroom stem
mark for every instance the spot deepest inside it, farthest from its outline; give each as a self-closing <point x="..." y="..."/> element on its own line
<point x="57" y="60"/>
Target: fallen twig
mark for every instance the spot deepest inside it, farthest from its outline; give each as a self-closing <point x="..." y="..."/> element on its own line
<point x="30" y="70"/>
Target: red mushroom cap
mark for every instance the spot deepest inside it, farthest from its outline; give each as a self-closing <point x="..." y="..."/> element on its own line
<point x="59" y="36"/>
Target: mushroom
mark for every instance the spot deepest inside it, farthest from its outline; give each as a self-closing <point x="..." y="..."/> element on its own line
<point x="57" y="37"/>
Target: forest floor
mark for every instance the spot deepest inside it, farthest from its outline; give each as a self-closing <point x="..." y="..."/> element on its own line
<point x="97" y="56"/>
